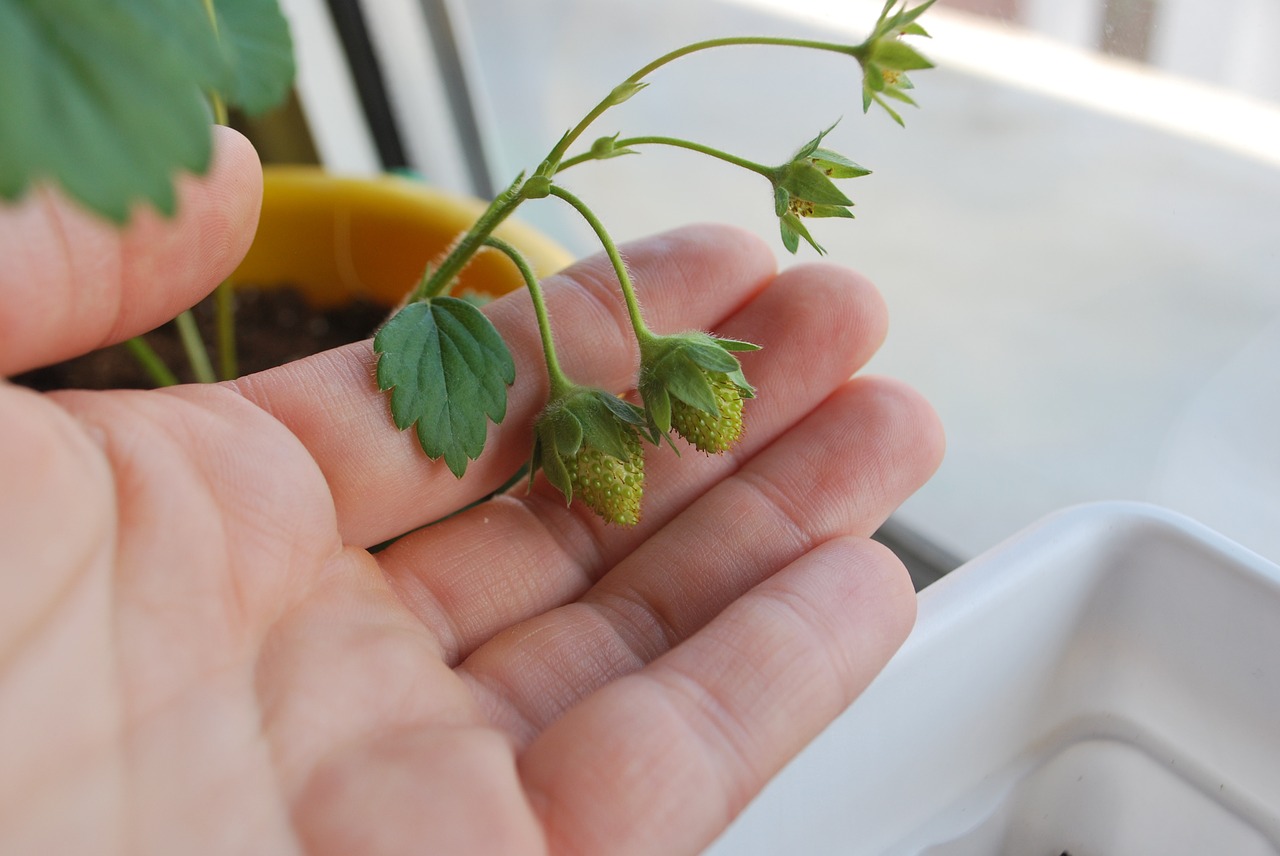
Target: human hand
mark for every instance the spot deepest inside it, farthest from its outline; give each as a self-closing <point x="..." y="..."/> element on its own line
<point x="198" y="653"/>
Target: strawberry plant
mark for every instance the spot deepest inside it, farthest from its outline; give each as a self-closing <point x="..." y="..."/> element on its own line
<point x="133" y="85"/>
<point x="445" y="366"/>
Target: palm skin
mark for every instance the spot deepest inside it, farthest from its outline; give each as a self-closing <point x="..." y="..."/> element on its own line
<point x="198" y="652"/>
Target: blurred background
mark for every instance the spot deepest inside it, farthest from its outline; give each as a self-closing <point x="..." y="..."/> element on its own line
<point x="1077" y="234"/>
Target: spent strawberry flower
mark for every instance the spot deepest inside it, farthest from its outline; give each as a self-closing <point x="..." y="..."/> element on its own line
<point x="804" y="186"/>
<point x="885" y="58"/>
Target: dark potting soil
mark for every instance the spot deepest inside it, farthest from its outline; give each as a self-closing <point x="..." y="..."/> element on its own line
<point x="273" y="327"/>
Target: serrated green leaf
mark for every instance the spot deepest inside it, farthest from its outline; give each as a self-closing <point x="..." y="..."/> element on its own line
<point x="447" y="369"/>
<point x="254" y="38"/>
<point x="105" y="98"/>
<point x="108" y="98"/>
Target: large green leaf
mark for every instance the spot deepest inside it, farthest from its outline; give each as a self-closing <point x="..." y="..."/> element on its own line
<point x="107" y="97"/>
<point x="255" y="40"/>
<point x="447" y="369"/>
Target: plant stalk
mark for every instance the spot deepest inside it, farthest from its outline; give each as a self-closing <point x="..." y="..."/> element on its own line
<point x="552" y="161"/>
<point x="194" y="347"/>
<point x="615" y="258"/>
<point x="440" y="280"/>
<point x="151" y="362"/>
<point x="559" y="382"/>
<point x="760" y="169"/>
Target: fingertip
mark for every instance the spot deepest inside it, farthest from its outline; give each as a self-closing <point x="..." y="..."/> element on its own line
<point x="191" y="253"/>
<point x="916" y="426"/>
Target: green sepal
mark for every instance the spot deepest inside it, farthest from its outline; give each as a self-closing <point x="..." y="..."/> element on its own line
<point x="624" y="91"/>
<point x="802" y="180"/>
<point x="745" y="389"/>
<point x="781" y="200"/>
<point x="893" y="114"/>
<point x="737" y="345"/>
<point x="711" y="356"/>
<point x="554" y="466"/>
<point x="899" y="95"/>
<point x="447" y="369"/>
<point x="836" y="165"/>
<point x="812" y="146"/>
<point x="874" y="77"/>
<point x="606" y="147"/>
<point x="830" y="211"/>
<point x="793" y="230"/>
<point x="898" y="56"/>
<point x="657" y="403"/>
<point x="687" y="382"/>
<point x="568" y="433"/>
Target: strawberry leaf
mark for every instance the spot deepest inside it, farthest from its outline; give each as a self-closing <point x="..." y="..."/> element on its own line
<point x="447" y="370"/>
<point x="254" y="38"/>
<point x="107" y="99"/>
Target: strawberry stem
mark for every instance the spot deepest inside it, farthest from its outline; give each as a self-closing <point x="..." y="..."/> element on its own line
<point x="642" y="332"/>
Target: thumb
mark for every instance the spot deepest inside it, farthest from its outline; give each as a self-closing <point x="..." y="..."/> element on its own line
<point x="71" y="282"/>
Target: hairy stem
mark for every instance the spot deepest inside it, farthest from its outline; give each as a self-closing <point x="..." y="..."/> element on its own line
<point x="439" y="280"/>
<point x="552" y="161"/>
<point x="615" y="258"/>
<point x="560" y="383"/>
<point x="760" y="169"/>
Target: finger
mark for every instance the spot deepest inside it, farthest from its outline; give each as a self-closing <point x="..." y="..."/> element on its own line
<point x="838" y="473"/>
<point x="382" y="483"/>
<point x="71" y="282"/>
<point x="693" y="737"/>
<point x="512" y="559"/>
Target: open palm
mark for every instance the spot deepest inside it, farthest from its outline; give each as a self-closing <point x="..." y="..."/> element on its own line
<point x="198" y="652"/>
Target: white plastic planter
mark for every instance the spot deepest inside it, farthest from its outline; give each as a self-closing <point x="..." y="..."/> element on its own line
<point x="1107" y="682"/>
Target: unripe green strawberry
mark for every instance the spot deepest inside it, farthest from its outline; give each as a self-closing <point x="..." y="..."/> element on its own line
<point x="610" y="487"/>
<point x="692" y="383"/>
<point x="587" y="441"/>
<point x="708" y="432"/>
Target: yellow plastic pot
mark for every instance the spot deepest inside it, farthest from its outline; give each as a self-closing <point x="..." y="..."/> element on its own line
<point x="340" y="238"/>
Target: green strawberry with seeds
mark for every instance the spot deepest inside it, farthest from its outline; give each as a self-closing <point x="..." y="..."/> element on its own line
<point x="693" y="384"/>
<point x="611" y="487"/>
<point x="587" y="441"/>
<point x="712" y="433"/>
